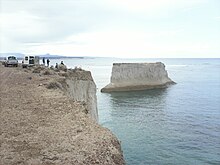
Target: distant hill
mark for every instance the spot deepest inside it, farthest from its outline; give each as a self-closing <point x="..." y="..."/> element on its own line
<point x="50" y="56"/>
<point x="56" y="56"/>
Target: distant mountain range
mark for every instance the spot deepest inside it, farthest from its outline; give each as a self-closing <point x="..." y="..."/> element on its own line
<point x="21" y="56"/>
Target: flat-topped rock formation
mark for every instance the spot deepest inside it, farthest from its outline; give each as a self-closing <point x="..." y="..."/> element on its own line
<point x="46" y="120"/>
<point x="137" y="76"/>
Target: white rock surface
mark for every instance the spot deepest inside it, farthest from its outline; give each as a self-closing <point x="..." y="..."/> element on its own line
<point x="84" y="90"/>
<point x="137" y="76"/>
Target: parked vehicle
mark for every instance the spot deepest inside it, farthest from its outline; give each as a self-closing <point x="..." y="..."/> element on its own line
<point x="4" y="60"/>
<point x="30" y="61"/>
<point x="11" y="61"/>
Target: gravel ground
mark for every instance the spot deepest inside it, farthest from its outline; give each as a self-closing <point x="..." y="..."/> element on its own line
<point x="44" y="126"/>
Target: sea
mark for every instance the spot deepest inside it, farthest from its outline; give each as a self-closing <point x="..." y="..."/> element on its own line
<point x="179" y="125"/>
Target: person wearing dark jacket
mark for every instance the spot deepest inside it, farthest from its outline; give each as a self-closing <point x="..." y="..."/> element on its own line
<point x="48" y="62"/>
<point x="43" y="60"/>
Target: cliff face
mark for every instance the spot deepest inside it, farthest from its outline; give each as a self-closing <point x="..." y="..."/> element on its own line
<point x="81" y="87"/>
<point x="41" y="125"/>
<point x="137" y="76"/>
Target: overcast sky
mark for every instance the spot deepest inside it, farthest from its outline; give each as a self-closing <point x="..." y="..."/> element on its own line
<point x="111" y="28"/>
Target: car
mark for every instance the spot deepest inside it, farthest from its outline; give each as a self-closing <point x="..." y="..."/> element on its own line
<point x="30" y="60"/>
<point x="11" y="61"/>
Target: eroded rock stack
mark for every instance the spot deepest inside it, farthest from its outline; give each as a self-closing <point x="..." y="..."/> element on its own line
<point x="137" y="76"/>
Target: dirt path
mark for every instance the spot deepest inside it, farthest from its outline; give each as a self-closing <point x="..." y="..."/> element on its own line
<point x="43" y="126"/>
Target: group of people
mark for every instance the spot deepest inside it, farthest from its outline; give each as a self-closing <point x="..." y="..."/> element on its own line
<point x="48" y="63"/>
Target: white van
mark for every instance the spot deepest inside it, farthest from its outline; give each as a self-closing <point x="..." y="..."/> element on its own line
<point x="30" y="61"/>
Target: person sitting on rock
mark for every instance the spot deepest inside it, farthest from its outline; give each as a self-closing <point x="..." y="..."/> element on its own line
<point x="62" y="66"/>
<point x="56" y="66"/>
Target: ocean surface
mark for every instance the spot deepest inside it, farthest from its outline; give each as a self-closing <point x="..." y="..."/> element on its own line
<point x="177" y="125"/>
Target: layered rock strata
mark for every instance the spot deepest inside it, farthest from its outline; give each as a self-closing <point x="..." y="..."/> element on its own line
<point x="137" y="76"/>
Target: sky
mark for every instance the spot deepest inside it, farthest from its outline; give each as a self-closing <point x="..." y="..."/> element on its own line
<point x="111" y="28"/>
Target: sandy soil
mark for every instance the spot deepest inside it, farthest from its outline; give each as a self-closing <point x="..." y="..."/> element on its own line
<point x="44" y="126"/>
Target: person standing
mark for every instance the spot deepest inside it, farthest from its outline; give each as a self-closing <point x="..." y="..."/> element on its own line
<point x="43" y="61"/>
<point x="48" y="62"/>
<point x="56" y="66"/>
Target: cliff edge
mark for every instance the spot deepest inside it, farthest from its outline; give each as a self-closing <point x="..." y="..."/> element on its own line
<point x="43" y="122"/>
<point x="137" y="76"/>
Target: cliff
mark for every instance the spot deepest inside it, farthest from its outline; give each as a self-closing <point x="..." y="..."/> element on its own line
<point x="45" y="119"/>
<point x="137" y="76"/>
<point x="81" y="87"/>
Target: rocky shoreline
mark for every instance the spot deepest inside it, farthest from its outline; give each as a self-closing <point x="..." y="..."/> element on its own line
<point x="42" y="122"/>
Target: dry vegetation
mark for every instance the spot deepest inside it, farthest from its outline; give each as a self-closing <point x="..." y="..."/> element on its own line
<point x="39" y="124"/>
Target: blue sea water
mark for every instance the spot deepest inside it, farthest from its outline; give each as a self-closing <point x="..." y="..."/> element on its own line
<point x="176" y="125"/>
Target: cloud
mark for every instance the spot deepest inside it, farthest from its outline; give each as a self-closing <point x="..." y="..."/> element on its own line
<point x="152" y="7"/>
<point x="21" y="26"/>
<point x="47" y="21"/>
<point x="106" y="27"/>
<point x="128" y="44"/>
